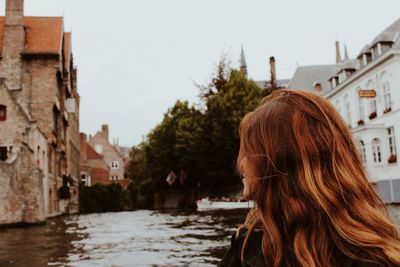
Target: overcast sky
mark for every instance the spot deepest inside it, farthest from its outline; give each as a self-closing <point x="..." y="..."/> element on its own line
<point x="135" y="58"/>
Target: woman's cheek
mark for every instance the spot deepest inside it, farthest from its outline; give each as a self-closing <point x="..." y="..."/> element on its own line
<point x="246" y="189"/>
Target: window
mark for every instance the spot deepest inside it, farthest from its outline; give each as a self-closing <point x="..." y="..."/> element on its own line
<point x="3" y="153"/>
<point x="338" y="105"/>
<point x="361" y="109"/>
<point x="3" y="113"/>
<point x="361" y="146"/>
<point x="99" y="148"/>
<point x="387" y="96"/>
<point x="55" y="120"/>
<point x="376" y="150"/>
<point x="392" y="141"/>
<point x="372" y="105"/>
<point x="347" y="109"/>
<point x="115" y="164"/>
<point x="114" y="177"/>
<point x="83" y="179"/>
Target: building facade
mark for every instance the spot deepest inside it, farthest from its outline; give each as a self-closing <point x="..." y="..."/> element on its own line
<point x="101" y="161"/>
<point x="366" y="92"/>
<point x="39" y="110"/>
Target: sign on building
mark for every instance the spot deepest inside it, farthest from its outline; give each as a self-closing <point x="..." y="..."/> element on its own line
<point x="367" y="93"/>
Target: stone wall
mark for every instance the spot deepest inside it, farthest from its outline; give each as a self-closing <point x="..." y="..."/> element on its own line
<point x="21" y="190"/>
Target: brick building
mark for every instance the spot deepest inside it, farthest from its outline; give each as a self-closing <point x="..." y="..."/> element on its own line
<point x="101" y="161"/>
<point x="39" y="112"/>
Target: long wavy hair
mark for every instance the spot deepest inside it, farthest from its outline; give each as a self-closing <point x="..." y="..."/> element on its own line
<point x="313" y="199"/>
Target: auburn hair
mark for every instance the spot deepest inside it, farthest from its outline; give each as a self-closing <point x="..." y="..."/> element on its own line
<point x="313" y="199"/>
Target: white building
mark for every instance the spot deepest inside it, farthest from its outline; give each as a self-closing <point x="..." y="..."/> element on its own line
<point x="374" y="122"/>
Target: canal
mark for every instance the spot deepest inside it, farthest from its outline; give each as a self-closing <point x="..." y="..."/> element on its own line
<point x="137" y="238"/>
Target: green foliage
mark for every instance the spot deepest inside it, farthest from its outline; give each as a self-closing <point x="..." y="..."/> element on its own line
<point x="104" y="198"/>
<point x="220" y="135"/>
<point x="200" y="144"/>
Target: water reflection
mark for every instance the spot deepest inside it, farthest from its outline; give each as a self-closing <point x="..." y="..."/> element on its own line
<point x="139" y="238"/>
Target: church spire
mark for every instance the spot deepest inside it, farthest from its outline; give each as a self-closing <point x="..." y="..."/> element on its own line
<point x="243" y="65"/>
<point x="346" y="54"/>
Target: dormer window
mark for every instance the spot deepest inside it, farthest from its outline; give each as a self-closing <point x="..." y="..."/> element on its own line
<point x="367" y="58"/>
<point x="318" y="86"/>
<point x="385" y="46"/>
<point x="3" y="113"/>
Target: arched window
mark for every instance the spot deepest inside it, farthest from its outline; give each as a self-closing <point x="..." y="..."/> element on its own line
<point x="3" y="113"/>
<point x="363" y="154"/>
<point x="376" y="150"/>
<point x="387" y="96"/>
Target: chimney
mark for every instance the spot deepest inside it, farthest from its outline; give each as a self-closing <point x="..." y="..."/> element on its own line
<point x="13" y="43"/>
<point x="338" y="56"/>
<point x="104" y="131"/>
<point x="83" y="139"/>
<point x="14" y="12"/>
<point x="273" y="73"/>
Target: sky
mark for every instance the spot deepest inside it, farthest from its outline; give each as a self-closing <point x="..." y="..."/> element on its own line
<point x="135" y="58"/>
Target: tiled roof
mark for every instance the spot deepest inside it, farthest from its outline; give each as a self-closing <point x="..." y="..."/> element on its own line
<point x="91" y="153"/>
<point x="43" y="34"/>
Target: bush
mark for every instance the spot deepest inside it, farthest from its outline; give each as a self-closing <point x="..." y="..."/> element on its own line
<point x="104" y="198"/>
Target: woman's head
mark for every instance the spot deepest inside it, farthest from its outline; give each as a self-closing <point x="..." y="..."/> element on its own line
<point x="302" y="168"/>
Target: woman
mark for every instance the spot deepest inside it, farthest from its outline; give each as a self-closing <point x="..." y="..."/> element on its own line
<point x="314" y="204"/>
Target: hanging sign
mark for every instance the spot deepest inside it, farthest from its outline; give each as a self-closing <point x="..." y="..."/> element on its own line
<point x="367" y="93"/>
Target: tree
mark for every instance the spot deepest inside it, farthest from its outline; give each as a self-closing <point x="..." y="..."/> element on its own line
<point x="173" y="143"/>
<point x="220" y="131"/>
<point x="200" y="145"/>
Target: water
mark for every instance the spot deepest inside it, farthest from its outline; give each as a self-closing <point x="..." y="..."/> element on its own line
<point x="138" y="238"/>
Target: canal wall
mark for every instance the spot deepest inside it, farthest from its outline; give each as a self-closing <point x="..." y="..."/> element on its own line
<point x="21" y="190"/>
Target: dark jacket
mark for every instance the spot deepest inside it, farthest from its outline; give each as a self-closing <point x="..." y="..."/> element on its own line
<point x="254" y="257"/>
<point x="253" y="253"/>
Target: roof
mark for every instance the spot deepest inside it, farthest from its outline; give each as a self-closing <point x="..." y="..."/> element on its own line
<point x="349" y="64"/>
<point x="91" y="153"/>
<point x="43" y="34"/>
<point x="305" y="77"/>
<point x="390" y="34"/>
<point x="282" y="83"/>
